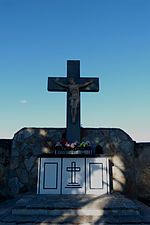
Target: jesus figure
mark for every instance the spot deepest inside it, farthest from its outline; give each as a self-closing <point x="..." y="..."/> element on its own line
<point x="74" y="90"/>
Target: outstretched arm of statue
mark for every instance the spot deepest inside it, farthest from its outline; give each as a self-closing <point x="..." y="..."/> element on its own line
<point x="86" y="84"/>
<point x="60" y="84"/>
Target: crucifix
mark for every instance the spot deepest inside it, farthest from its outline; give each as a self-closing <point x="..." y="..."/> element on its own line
<point x="73" y="84"/>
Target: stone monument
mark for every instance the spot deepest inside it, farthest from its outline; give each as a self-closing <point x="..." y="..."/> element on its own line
<point x="19" y="170"/>
<point x="84" y="174"/>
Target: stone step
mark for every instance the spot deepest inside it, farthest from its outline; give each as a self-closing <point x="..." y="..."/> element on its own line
<point x="78" y="209"/>
<point x="76" y="212"/>
<point x="81" y="205"/>
<point x="44" y="220"/>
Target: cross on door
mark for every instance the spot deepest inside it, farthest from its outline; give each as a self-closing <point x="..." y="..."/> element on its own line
<point x="73" y="169"/>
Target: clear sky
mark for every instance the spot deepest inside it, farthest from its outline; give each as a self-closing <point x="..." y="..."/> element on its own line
<point x="111" y="38"/>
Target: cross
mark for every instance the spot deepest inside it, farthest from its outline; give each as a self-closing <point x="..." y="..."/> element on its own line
<point x="73" y="84"/>
<point x="73" y="169"/>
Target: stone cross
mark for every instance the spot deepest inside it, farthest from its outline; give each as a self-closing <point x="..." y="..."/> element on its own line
<point x="73" y="84"/>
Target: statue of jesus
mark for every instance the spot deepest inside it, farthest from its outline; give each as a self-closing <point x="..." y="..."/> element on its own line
<point x="74" y="98"/>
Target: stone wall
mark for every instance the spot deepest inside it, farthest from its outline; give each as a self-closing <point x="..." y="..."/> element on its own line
<point x="129" y="161"/>
<point x="5" y="147"/>
<point x="120" y="148"/>
<point x="27" y="146"/>
<point x="31" y="143"/>
<point x="143" y="171"/>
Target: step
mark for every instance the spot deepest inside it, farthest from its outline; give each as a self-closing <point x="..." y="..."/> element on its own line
<point x="81" y="205"/>
<point x="75" y="209"/>
<point x="44" y="220"/>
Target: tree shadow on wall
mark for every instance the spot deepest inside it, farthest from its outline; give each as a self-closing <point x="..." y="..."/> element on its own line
<point x="104" y="203"/>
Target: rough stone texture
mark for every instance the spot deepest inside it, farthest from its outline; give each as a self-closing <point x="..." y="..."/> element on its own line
<point x="27" y="146"/>
<point x="129" y="161"/>
<point x="31" y="143"/>
<point x="143" y="171"/>
<point x="5" y="146"/>
<point x="120" y="147"/>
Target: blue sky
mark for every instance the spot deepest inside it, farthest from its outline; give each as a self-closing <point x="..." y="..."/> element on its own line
<point x="111" y="38"/>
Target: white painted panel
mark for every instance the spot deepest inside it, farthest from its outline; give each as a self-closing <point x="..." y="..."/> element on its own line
<point x="73" y="176"/>
<point x="49" y="176"/>
<point x="51" y="181"/>
<point x="97" y="176"/>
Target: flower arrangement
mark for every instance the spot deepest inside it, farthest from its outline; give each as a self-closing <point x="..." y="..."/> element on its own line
<point x="65" y="145"/>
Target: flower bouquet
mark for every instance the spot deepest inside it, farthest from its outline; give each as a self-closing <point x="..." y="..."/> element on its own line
<point x="65" y="145"/>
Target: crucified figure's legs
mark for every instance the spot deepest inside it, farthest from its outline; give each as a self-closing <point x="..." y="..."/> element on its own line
<point x="74" y="102"/>
<point x="73" y="114"/>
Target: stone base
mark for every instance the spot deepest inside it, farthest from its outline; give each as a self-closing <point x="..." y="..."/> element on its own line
<point x="31" y="143"/>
